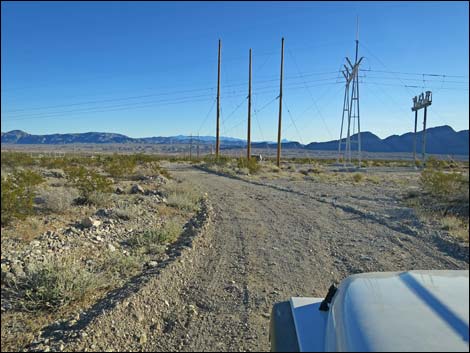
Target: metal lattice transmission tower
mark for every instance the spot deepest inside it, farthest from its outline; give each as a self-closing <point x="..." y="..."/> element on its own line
<point x="351" y="112"/>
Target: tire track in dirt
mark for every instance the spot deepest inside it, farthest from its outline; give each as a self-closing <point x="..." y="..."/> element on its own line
<point x="266" y="244"/>
<point x="289" y="243"/>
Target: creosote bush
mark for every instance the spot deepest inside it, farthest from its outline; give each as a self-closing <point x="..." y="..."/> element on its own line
<point x="251" y="164"/>
<point x="17" y="194"/>
<point x="441" y="184"/>
<point x="120" y="165"/>
<point x="87" y="181"/>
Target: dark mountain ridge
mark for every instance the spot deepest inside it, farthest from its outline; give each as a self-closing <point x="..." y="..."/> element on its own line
<point x="439" y="140"/>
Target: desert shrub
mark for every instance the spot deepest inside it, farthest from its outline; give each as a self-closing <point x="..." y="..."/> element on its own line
<point x="53" y="283"/>
<point x="152" y="241"/>
<point x="156" y="169"/>
<point x="456" y="227"/>
<point x="87" y="181"/>
<point x="182" y="196"/>
<point x="53" y="162"/>
<point x="357" y="177"/>
<point x="125" y="211"/>
<point x="58" y="200"/>
<point x="118" y="267"/>
<point x="373" y="179"/>
<point x="120" y="165"/>
<point x="443" y="185"/>
<point x="273" y="168"/>
<point x="17" y="159"/>
<point x="219" y="161"/>
<point x="100" y="199"/>
<point x="183" y="201"/>
<point x="251" y="164"/>
<point x="316" y="169"/>
<point x="17" y="194"/>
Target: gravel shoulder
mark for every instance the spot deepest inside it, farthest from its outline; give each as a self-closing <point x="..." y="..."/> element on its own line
<point x="267" y="241"/>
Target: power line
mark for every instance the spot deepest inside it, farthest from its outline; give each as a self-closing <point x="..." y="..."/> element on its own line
<point x="152" y="95"/>
<point x="293" y="122"/>
<point x="414" y="79"/>
<point x="235" y="110"/>
<point x="207" y="115"/>
<point x="410" y="73"/>
<point x="310" y="93"/>
<point x="413" y="86"/>
<point x="114" y="106"/>
<point x="112" y="110"/>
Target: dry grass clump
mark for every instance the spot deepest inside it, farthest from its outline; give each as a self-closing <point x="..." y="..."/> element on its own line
<point x="251" y="164"/>
<point x="153" y="241"/>
<point x="53" y="283"/>
<point x="456" y="227"/>
<point x="100" y="199"/>
<point x="357" y="177"/>
<point x="182" y="196"/>
<point x="444" y="197"/>
<point x="59" y="199"/>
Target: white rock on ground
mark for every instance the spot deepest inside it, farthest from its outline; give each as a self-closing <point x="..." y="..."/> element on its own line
<point x="89" y="222"/>
<point x="137" y="189"/>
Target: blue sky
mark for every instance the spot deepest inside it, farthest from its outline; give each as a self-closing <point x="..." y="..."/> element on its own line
<point x="150" y="68"/>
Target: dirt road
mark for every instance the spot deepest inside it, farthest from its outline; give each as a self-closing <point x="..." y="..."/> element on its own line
<point x="269" y="241"/>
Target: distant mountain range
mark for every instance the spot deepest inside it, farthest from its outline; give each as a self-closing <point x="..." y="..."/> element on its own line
<point x="439" y="140"/>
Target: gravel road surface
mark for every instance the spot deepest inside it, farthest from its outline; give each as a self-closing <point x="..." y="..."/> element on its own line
<point x="266" y="241"/>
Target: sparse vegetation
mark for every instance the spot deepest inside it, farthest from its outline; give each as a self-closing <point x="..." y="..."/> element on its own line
<point x="58" y="200"/>
<point x="51" y="284"/>
<point x="118" y="166"/>
<point x="444" y="196"/>
<point x="182" y="196"/>
<point x="442" y="184"/>
<point x="45" y="201"/>
<point x="17" y="193"/>
<point x="153" y="241"/>
<point x="358" y="177"/>
<point x="87" y="181"/>
<point x="251" y="164"/>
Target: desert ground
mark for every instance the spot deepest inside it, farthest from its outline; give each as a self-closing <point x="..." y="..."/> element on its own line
<point x="259" y="236"/>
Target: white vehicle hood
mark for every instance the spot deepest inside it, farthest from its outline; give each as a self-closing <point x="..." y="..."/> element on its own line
<point x="400" y="311"/>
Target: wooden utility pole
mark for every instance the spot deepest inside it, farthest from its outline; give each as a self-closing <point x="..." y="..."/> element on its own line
<point x="280" y="108"/>
<point x="217" y="142"/>
<point x="248" y="147"/>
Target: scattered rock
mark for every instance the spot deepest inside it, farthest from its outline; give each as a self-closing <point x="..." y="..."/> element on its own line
<point x="137" y="189"/>
<point x="104" y="213"/>
<point x="119" y="190"/>
<point x="143" y="338"/>
<point x="231" y="288"/>
<point x="89" y="222"/>
<point x="111" y="247"/>
<point x="17" y="270"/>
<point x="365" y="257"/>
